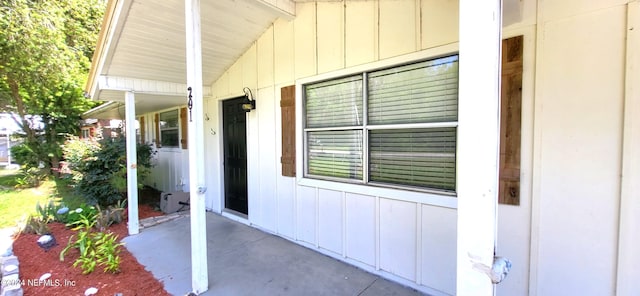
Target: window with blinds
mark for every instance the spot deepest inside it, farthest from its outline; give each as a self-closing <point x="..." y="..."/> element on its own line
<point x="394" y="126"/>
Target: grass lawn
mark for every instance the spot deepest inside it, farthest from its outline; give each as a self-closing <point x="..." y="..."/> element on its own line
<point x="17" y="204"/>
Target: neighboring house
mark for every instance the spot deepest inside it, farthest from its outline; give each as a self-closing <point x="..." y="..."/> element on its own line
<point x="101" y="128"/>
<point x="359" y="144"/>
<point x="8" y="127"/>
<point x="5" y="147"/>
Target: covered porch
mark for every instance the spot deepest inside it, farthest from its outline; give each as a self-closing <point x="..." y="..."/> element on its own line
<point x="156" y="56"/>
<point x="246" y="261"/>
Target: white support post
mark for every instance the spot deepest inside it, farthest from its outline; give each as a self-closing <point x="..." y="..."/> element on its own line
<point x="132" y="166"/>
<point x="199" y="271"/>
<point x="478" y="143"/>
<point x="629" y="237"/>
<point x="8" y="149"/>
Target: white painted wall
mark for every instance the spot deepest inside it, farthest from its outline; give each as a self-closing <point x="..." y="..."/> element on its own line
<point x="562" y="239"/>
<point x="171" y="163"/>
<point x="578" y="143"/>
<point x="409" y="241"/>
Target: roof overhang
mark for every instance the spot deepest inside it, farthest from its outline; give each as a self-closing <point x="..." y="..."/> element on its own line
<point x="142" y="48"/>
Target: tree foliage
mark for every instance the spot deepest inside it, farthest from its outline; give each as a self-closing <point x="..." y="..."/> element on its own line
<point x="45" y="51"/>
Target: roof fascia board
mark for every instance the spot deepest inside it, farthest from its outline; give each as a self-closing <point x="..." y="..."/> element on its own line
<point x="112" y="25"/>
<point x="285" y="9"/>
<point x="146" y="86"/>
<point x="102" y="108"/>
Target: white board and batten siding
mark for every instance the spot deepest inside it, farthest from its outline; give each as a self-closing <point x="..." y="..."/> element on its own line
<point x="562" y="238"/>
<point x="411" y="240"/>
<point x="171" y="164"/>
<point x="579" y="115"/>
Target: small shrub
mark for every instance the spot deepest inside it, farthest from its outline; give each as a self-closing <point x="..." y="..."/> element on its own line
<point x="96" y="248"/>
<point x="108" y="251"/>
<point x="35" y="225"/>
<point x="77" y="152"/>
<point x="30" y="177"/>
<point x="25" y="155"/>
<point x="47" y="212"/>
<point x="110" y="215"/>
<point x="83" y="212"/>
<point x="100" y="169"/>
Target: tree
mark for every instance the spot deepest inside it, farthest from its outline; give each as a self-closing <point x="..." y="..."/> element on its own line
<point x="45" y="51"/>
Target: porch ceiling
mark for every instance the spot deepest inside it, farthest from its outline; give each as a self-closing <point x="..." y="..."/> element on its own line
<point x="145" y="40"/>
<point x="142" y="47"/>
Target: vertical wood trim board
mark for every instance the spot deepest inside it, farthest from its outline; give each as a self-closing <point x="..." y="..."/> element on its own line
<point x="184" y="128"/>
<point x="510" y="120"/>
<point x="288" y="109"/>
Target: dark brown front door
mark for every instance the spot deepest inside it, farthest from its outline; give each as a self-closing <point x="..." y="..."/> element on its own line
<point x="235" y="155"/>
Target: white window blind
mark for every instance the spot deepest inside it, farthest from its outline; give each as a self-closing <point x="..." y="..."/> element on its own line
<point x="334" y="103"/>
<point x="414" y="157"/>
<point x="335" y="154"/>
<point x="416" y="93"/>
<point x="407" y="136"/>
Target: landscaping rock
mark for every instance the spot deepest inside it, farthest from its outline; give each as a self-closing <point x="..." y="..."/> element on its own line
<point x="9" y="265"/>
<point x="47" y="242"/>
<point x="11" y="286"/>
<point x="91" y="291"/>
<point x="6" y="242"/>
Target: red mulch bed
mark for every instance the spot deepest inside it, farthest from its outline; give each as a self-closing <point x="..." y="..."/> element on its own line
<point x="132" y="279"/>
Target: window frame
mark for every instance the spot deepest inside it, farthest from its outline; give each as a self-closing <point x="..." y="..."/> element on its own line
<point x="176" y="128"/>
<point x="365" y="185"/>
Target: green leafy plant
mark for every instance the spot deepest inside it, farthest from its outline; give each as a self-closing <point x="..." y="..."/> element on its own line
<point x="108" y="251"/>
<point x="30" y="177"/>
<point x="47" y="212"/>
<point x="25" y="154"/>
<point x="75" y="216"/>
<point x="35" y="225"/>
<point x="95" y="248"/>
<point x="110" y="215"/>
<point x="77" y="152"/>
<point x="101" y="174"/>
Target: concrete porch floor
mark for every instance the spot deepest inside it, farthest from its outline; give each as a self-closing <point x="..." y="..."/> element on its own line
<point x="246" y="261"/>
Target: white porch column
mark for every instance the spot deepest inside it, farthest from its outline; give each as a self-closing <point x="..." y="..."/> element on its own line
<point x="8" y="148"/>
<point x="478" y="143"/>
<point x="629" y="238"/>
<point x="199" y="272"/>
<point x="132" y="160"/>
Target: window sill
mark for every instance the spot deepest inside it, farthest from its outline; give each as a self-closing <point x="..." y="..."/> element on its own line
<point x="169" y="149"/>
<point x="434" y="199"/>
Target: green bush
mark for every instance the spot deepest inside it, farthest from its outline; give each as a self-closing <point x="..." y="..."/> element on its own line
<point x="77" y="152"/>
<point x="101" y="170"/>
<point x="83" y="212"/>
<point x="25" y="155"/>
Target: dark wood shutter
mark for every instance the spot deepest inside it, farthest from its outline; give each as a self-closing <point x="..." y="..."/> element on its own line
<point x="183" y="128"/>
<point x="157" y="121"/>
<point x="288" y="109"/>
<point x="510" y="120"/>
<point x="143" y="129"/>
